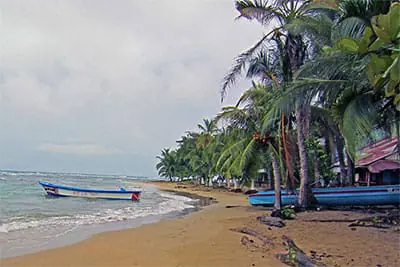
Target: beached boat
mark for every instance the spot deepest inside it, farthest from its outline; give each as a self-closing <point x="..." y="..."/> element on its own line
<point x="337" y="196"/>
<point x="68" y="191"/>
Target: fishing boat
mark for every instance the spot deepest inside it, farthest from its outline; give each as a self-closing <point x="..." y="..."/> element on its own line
<point x="69" y="191"/>
<point x="336" y="196"/>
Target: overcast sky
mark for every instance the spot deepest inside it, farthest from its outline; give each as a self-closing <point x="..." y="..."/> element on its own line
<point x="102" y="86"/>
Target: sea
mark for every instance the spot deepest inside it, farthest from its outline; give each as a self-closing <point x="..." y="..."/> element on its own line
<point x="31" y="221"/>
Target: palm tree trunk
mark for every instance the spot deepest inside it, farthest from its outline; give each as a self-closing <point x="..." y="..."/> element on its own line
<point x="306" y="114"/>
<point x="269" y="178"/>
<point x="210" y="183"/>
<point x="332" y="149"/>
<point x="302" y="200"/>
<point x="252" y="186"/>
<point x="235" y="183"/>
<point x="228" y="182"/>
<point x="277" y="183"/>
<point x="342" y="165"/>
<point x="398" y="133"/>
<point x="350" y="168"/>
<point x="287" y="156"/>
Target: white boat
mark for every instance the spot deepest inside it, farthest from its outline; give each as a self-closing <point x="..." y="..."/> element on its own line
<point x="69" y="191"/>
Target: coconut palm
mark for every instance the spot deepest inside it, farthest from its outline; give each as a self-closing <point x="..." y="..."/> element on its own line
<point x="249" y="149"/>
<point x="355" y="105"/>
<point x="206" y="145"/>
<point x="291" y="51"/>
<point x="168" y="164"/>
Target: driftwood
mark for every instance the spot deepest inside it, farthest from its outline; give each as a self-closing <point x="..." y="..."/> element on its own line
<point x="295" y="256"/>
<point x="366" y="224"/>
<point x="328" y="221"/>
<point x="381" y="221"/>
<point x="271" y="221"/>
<point x="250" y="232"/>
<point x="231" y="206"/>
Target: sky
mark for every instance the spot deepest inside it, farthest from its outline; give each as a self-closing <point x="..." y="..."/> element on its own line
<point x="98" y="86"/>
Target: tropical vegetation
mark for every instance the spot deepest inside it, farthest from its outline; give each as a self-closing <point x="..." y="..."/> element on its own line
<point x="325" y="81"/>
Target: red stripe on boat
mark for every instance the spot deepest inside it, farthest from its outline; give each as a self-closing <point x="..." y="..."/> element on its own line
<point x="135" y="196"/>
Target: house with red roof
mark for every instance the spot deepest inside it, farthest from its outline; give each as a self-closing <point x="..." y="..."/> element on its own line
<point x="379" y="163"/>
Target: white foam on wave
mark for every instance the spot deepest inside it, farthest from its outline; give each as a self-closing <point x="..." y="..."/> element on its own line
<point x="172" y="203"/>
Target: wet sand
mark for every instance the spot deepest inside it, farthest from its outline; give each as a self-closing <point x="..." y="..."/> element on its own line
<point x="205" y="238"/>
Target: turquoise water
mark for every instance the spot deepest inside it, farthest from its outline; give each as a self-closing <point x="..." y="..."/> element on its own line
<point x="31" y="221"/>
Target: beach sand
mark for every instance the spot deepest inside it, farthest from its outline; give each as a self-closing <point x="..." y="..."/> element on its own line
<point x="205" y="238"/>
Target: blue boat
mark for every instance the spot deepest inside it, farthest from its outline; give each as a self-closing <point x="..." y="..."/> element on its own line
<point x="336" y="196"/>
<point x="69" y="191"/>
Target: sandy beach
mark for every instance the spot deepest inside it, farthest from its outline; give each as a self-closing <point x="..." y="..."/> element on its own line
<point x="207" y="238"/>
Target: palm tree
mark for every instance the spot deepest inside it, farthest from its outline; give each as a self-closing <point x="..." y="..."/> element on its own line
<point x="248" y="149"/>
<point x="205" y="138"/>
<point x="354" y="104"/>
<point x="167" y="165"/>
<point x="290" y="50"/>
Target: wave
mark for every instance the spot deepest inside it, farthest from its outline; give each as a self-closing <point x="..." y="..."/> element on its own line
<point x="173" y="203"/>
<point x="66" y="174"/>
<point x="22" y="173"/>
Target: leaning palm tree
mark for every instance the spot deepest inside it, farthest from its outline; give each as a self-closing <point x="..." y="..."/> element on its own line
<point x="291" y="51"/>
<point x="248" y="149"/>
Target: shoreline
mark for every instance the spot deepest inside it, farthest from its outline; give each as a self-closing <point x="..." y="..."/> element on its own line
<point x="84" y="232"/>
<point x="205" y="238"/>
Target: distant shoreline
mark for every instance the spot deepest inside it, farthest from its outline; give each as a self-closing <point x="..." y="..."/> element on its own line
<point x="81" y="173"/>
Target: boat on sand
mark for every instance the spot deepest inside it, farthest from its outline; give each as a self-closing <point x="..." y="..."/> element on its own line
<point x="336" y="196"/>
<point x="69" y="191"/>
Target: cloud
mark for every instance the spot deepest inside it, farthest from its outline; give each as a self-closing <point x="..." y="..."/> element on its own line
<point x="79" y="149"/>
<point x="132" y="75"/>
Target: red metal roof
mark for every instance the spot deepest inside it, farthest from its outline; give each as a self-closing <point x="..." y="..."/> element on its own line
<point x="382" y="165"/>
<point x="380" y="150"/>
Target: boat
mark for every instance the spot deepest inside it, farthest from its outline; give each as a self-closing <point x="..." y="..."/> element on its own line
<point x="69" y="191"/>
<point x="336" y="196"/>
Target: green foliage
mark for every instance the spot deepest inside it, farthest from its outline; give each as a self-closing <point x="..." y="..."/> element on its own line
<point x="343" y="61"/>
<point x="168" y="164"/>
<point x="288" y="213"/>
<point x="381" y="43"/>
<point x="313" y="145"/>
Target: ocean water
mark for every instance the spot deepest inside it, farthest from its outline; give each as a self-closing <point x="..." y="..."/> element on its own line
<point x="31" y="221"/>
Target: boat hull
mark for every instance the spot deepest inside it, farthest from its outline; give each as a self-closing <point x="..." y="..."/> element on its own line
<point x="339" y="196"/>
<point x="68" y="191"/>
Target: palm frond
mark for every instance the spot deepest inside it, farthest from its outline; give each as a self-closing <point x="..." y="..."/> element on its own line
<point x="248" y="154"/>
<point x="262" y="11"/>
<point x="350" y="27"/>
<point x="356" y="115"/>
<point x="318" y="27"/>
<point x="240" y="64"/>
<point x="363" y="9"/>
<point x="264" y="65"/>
<point x="231" y="150"/>
<point x="311" y="8"/>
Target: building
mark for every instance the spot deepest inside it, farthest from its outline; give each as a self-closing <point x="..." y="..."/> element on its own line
<point x="379" y="163"/>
